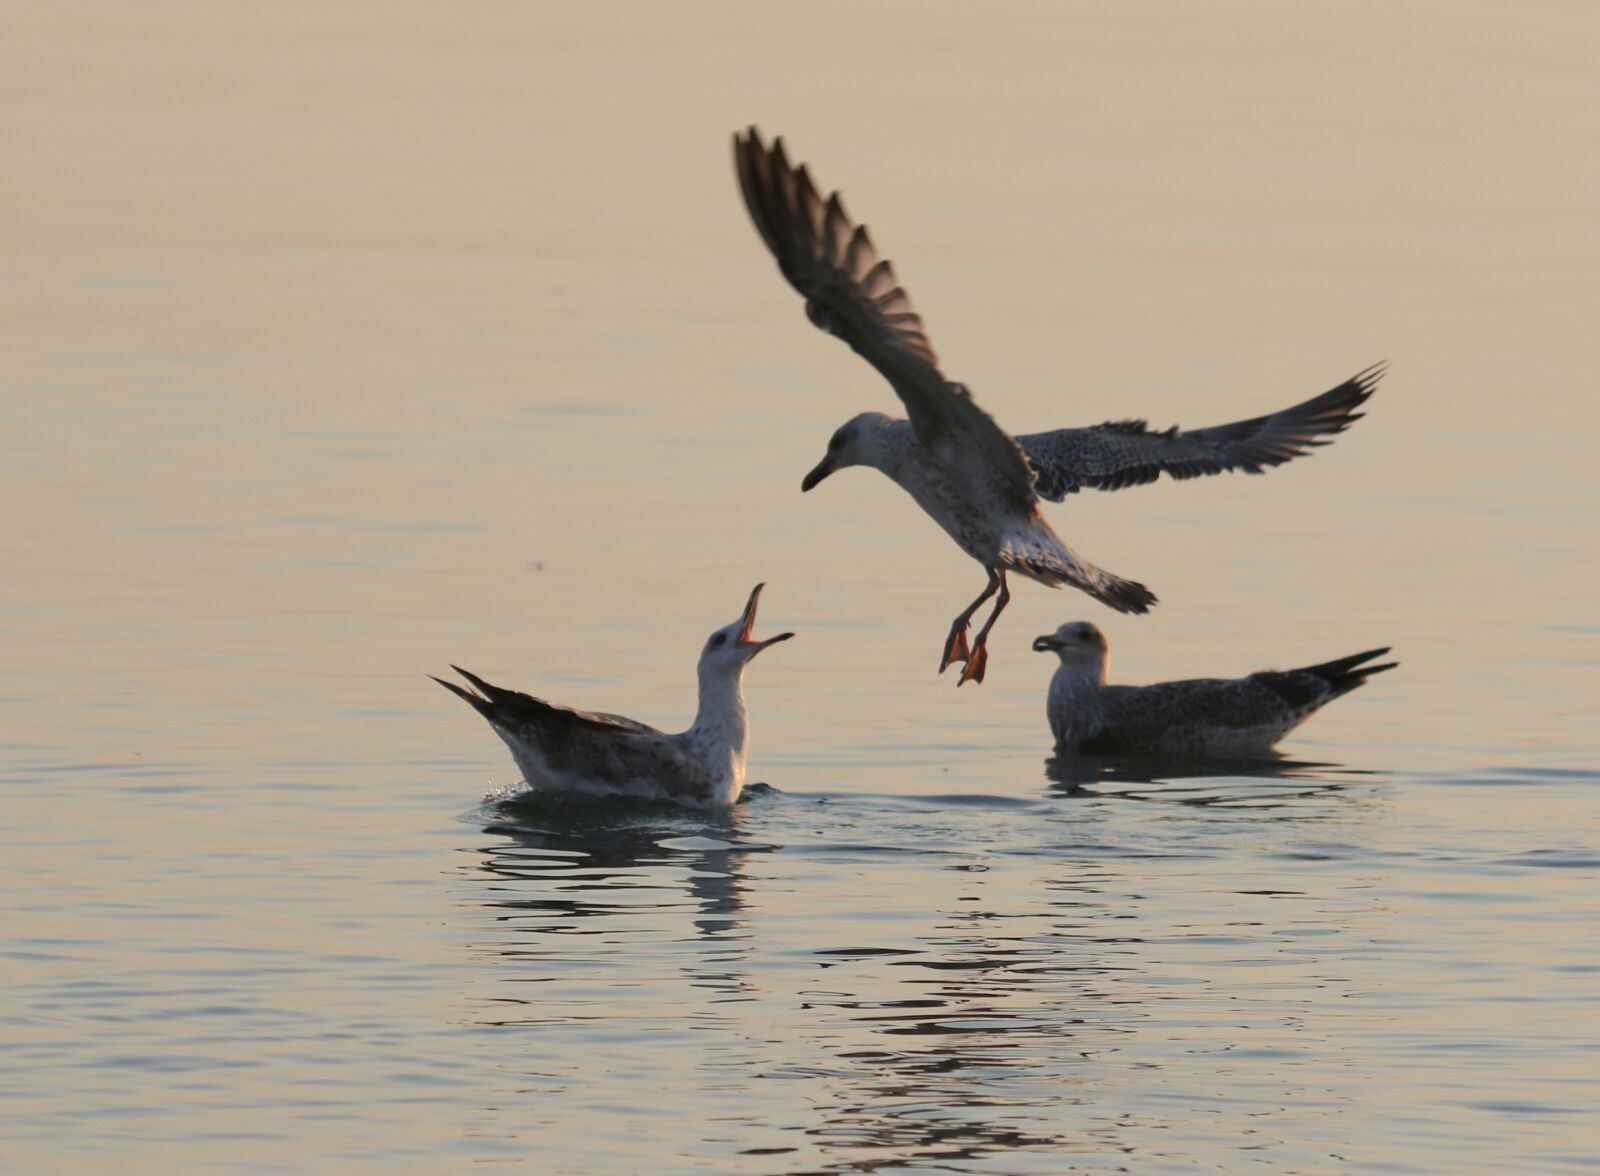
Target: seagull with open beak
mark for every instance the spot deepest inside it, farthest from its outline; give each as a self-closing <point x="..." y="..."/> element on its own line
<point x="561" y="749"/>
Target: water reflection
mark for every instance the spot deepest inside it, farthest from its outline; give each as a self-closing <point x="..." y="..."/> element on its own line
<point x="585" y="893"/>
<point x="1269" y="781"/>
<point x="637" y="941"/>
<point x="984" y="1035"/>
<point x="610" y="865"/>
<point x="915" y="984"/>
<point x="968" y="1079"/>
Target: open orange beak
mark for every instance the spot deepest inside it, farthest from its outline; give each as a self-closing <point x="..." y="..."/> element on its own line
<point x="747" y="622"/>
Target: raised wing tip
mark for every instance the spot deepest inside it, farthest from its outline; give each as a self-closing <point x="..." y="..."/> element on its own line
<point x="482" y="705"/>
<point x="778" y="156"/>
<point x="1368" y="377"/>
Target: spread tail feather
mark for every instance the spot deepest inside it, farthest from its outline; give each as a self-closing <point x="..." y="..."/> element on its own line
<point x="1055" y="565"/>
<point x="1128" y="596"/>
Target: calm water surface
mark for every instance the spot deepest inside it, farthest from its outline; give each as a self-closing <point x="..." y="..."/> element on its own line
<point x="343" y="344"/>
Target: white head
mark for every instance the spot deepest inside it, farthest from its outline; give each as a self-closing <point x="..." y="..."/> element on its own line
<point x="728" y="649"/>
<point x="1078" y="644"/>
<point x="853" y="443"/>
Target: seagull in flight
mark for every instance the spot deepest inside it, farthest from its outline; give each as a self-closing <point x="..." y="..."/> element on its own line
<point x="1196" y="717"/>
<point x="561" y="749"/>
<point x="980" y="484"/>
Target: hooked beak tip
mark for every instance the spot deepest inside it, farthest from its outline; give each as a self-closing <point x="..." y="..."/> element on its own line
<point x="1043" y="644"/>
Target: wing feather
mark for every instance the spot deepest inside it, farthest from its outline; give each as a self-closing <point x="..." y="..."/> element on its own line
<point x="514" y="708"/>
<point x="1129" y="453"/>
<point x="853" y="293"/>
<point x="1140" y="716"/>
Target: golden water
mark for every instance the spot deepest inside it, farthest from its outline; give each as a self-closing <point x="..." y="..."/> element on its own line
<point x="347" y="341"/>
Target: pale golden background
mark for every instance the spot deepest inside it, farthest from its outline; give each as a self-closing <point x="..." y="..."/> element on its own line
<point x="344" y="341"/>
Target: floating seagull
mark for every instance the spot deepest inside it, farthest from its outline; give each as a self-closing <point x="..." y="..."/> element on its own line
<point x="981" y="485"/>
<point x="1200" y="716"/>
<point x="560" y="749"/>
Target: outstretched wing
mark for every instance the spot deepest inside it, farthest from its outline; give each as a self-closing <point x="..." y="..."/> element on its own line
<point x="852" y="293"/>
<point x="1130" y="453"/>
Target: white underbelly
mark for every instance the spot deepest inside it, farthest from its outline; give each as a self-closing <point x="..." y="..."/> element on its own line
<point x="942" y="501"/>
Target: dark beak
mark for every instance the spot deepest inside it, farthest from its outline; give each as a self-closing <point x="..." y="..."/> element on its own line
<point x="1042" y="644"/>
<point x="747" y="622"/>
<point x="822" y="469"/>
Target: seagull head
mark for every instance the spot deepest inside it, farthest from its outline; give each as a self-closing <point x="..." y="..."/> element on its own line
<point x="1075" y="643"/>
<point x="853" y="443"/>
<point x="730" y="647"/>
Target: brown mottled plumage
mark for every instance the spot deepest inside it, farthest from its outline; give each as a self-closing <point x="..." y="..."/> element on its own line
<point x="978" y="483"/>
<point x="1197" y="716"/>
<point x="961" y="467"/>
<point x="1130" y="453"/>
<point x="562" y="749"/>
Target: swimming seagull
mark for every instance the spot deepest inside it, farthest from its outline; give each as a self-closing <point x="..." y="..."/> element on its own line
<point x="1200" y="716"/>
<point x="981" y="485"/>
<point x="561" y="749"/>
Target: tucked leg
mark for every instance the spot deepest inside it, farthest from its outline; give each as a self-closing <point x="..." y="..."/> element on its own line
<point x="979" y="658"/>
<point x="955" y="646"/>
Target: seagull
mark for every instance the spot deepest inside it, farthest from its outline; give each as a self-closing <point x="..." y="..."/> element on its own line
<point x="562" y="749"/>
<point x="1196" y="717"/>
<point x="977" y="482"/>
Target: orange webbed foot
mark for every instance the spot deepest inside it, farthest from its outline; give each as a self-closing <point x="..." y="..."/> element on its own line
<point x="955" y="649"/>
<point x="977" y="662"/>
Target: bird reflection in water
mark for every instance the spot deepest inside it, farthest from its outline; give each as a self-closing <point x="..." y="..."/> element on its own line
<point x="897" y="992"/>
<point x="1267" y="781"/>
<point x="641" y="880"/>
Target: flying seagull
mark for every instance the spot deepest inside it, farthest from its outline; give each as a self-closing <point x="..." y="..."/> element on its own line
<point x="1196" y="717"/>
<point x="560" y="749"/>
<point x="981" y="485"/>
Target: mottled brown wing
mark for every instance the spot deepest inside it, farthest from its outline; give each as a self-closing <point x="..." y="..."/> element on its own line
<point x="590" y="744"/>
<point x="1143" y="716"/>
<point x="1129" y="453"/>
<point x="852" y="293"/>
<point x="514" y="708"/>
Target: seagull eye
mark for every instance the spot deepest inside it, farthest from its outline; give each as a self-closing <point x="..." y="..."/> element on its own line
<point x="718" y="639"/>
